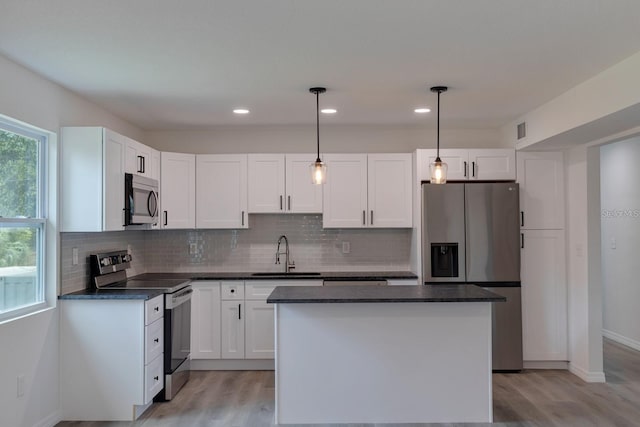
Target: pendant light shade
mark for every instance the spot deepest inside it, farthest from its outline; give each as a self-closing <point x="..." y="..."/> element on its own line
<point x="438" y="168"/>
<point x="318" y="168"/>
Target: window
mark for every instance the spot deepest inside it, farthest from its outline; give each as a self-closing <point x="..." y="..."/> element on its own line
<point x="22" y="218"/>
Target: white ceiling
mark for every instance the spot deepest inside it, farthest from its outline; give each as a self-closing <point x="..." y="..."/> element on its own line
<point x="168" y="64"/>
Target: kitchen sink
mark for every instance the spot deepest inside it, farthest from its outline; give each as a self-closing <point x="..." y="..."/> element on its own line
<point x="290" y="274"/>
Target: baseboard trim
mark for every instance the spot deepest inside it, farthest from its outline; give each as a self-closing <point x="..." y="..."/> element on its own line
<point x="546" y="364"/>
<point x="621" y="339"/>
<point x="586" y="376"/>
<point x="50" y="420"/>
<point x="232" y="365"/>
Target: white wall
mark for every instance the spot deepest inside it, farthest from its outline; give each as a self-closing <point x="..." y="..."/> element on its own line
<point x="583" y="262"/>
<point x="302" y="139"/>
<point x="29" y="346"/>
<point x="620" y="199"/>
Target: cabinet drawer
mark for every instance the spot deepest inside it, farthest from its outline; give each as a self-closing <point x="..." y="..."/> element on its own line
<point x="153" y="379"/>
<point x="259" y="291"/>
<point x="153" y="340"/>
<point x="232" y="290"/>
<point x="153" y="309"/>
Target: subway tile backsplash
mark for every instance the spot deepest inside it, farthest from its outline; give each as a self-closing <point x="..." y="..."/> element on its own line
<point x="312" y="248"/>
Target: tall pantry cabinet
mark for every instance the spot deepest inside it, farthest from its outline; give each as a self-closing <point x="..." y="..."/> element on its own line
<point x="543" y="275"/>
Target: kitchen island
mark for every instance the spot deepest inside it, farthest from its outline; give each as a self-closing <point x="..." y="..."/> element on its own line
<point x="383" y="354"/>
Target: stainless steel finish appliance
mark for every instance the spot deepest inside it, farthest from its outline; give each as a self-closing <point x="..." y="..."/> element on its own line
<point x="140" y="200"/>
<point x="108" y="271"/>
<point x="471" y="234"/>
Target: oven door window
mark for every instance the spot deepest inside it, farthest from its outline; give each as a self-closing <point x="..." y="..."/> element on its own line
<point x="178" y="346"/>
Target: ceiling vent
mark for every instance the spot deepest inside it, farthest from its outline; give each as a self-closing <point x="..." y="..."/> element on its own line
<point x="522" y="130"/>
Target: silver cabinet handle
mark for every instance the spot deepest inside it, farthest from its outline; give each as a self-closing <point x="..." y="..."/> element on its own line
<point x="289" y="202"/>
<point x="473" y="169"/>
<point x="239" y="312"/>
<point x="364" y="218"/>
<point x="280" y="202"/>
<point x="243" y="218"/>
<point x="521" y="240"/>
<point x="465" y="169"/>
<point x="372" y="217"/>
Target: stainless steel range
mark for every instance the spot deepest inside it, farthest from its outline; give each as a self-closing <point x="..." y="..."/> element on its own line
<point x="108" y="271"/>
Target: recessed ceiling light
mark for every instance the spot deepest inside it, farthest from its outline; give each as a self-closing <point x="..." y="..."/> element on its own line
<point x="422" y="110"/>
<point x="328" y="111"/>
<point x="241" y="111"/>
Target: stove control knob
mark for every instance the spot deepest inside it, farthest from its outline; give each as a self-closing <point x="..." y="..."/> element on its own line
<point x="105" y="261"/>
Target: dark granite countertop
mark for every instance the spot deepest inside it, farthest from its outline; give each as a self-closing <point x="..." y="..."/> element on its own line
<point x="369" y="294"/>
<point x="149" y="293"/>
<point x="120" y="294"/>
<point x="324" y="275"/>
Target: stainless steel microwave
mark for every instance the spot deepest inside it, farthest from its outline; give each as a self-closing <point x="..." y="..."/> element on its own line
<point x="140" y="200"/>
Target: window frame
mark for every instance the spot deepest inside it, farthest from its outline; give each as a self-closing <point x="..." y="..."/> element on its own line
<point x="39" y="222"/>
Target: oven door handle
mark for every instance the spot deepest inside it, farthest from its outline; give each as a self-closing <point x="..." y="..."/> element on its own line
<point x="179" y="298"/>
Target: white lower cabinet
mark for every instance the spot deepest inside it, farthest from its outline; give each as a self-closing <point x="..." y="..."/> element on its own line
<point x="205" y="320"/>
<point x="544" y="296"/>
<point x="111" y="357"/>
<point x="232" y="335"/>
<point x="232" y="320"/>
<point x="259" y="337"/>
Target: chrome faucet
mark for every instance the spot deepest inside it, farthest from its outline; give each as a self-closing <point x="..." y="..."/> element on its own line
<point x="288" y="265"/>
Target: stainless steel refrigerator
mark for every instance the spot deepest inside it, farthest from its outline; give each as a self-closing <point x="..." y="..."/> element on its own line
<point x="471" y="234"/>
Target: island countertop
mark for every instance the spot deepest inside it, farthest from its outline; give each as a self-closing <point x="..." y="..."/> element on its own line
<point x="381" y="294"/>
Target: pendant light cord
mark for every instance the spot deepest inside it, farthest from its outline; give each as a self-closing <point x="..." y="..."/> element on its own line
<point x="318" y="123"/>
<point x="438" y="130"/>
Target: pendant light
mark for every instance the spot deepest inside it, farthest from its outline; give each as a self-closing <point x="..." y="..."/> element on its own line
<point x="318" y="168"/>
<point x="438" y="167"/>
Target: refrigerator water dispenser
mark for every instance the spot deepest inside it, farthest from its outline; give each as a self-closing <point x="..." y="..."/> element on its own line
<point x="444" y="260"/>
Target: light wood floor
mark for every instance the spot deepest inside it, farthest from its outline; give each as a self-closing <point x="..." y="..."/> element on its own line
<point x="531" y="398"/>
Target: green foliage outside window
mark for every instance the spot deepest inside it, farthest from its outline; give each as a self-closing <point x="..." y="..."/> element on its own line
<point x="18" y="197"/>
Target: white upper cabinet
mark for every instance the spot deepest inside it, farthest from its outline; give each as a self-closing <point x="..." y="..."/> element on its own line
<point x="280" y="183"/>
<point x="457" y="161"/>
<point x="266" y="183"/>
<point x="303" y="196"/>
<point x="92" y="179"/>
<point x="367" y="191"/>
<point x="541" y="178"/>
<point x="138" y="159"/>
<point x="178" y="190"/>
<point x="470" y="165"/>
<point x="389" y="190"/>
<point x="345" y="192"/>
<point x="492" y="164"/>
<point x="221" y="182"/>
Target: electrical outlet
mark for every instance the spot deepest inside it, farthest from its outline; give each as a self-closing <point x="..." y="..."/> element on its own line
<point x="74" y="256"/>
<point x="613" y="243"/>
<point x="193" y="248"/>
<point x="20" y="385"/>
<point x="346" y="247"/>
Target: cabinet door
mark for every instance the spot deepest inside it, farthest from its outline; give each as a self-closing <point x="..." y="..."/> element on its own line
<point x="137" y="158"/>
<point x="205" y="320"/>
<point x="345" y="192"/>
<point x="221" y="191"/>
<point x="541" y="178"/>
<point x="492" y="164"/>
<point x="177" y="190"/>
<point x="259" y="327"/>
<point x="457" y="161"/>
<point x="266" y="183"/>
<point x="544" y="295"/>
<point x="155" y="165"/>
<point x="302" y="195"/>
<point x="389" y="190"/>
<point x="232" y="333"/>
<point x="114" y="147"/>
